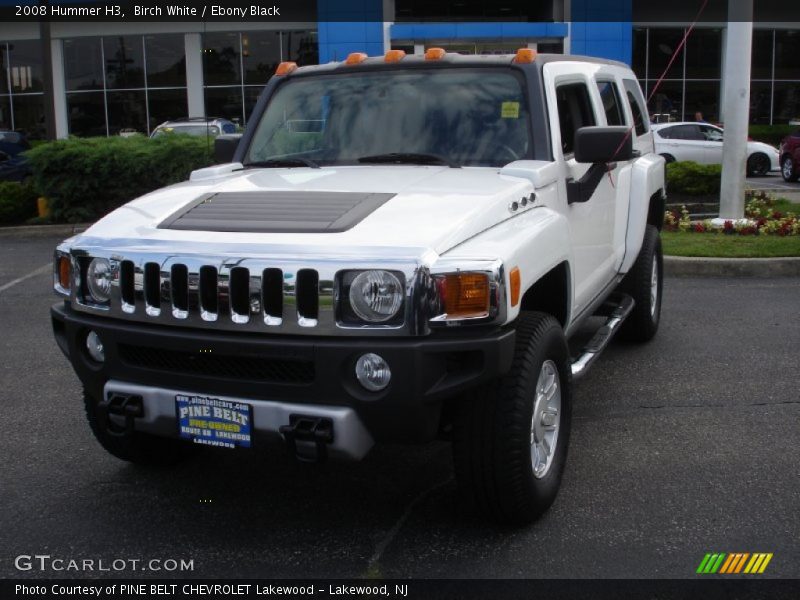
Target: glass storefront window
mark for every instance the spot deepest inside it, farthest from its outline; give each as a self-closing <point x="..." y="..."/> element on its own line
<point x="29" y="115"/>
<point x="761" y="58"/>
<point x="760" y="102"/>
<point x="3" y="67"/>
<point x="5" y="113"/>
<point x="639" y="54"/>
<point x="83" y="65"/>
<point x="124" y="60"/>
<point x="787" y="102"/>
<point x="667" y="104"/>
<point x="704" y="54"/>
<point x="787" y="54"/>
<point x="221" y="65"/>
<point x="301" y="47"/>
<point x="127" y="111"/>
<point x="166" y="60"/>
<point x="663" y="44"/>
<point x="261" y="54"/>
<point x="703" y="97"/>
<point x="166" y="105"/>
<point x="225" y="102"/>
<point x="25" y="73"/>
<point x="86" y="113"/>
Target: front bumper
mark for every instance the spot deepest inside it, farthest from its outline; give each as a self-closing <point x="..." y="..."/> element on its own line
<point x="277" y="374"/>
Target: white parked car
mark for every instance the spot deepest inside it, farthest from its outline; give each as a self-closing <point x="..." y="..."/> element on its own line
<point x="397" y="249"/>
<point x="702" y="143"/>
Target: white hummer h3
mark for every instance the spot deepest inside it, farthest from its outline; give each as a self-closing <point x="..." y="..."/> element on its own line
<point x="398" y="248"/>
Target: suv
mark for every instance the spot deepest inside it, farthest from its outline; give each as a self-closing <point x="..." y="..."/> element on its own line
<point x="790" y="157"/>
<point x="212" y="126"/>
<point x="398" y="248"/>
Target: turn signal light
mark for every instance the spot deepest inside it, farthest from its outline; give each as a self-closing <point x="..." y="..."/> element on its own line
<point x="465" y="295"/>
<point x="285" y="68"/>
<point x="355" y="58"/>
<point x="516" y="284"/>
<point x="434" y="54"/>
<point x="525" y="56"/>
<point x="64" y="272"/>
<point x="394" y="56"/>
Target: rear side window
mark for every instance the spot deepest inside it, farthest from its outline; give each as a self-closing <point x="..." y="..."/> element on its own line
<point x="611" y="103"/>
<point x="683" y="132"/>
<point x="634" y="94"/>
<point x="574" y="111"/>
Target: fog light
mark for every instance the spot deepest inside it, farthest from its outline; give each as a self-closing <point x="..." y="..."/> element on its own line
<point x="94" y="346"/>
<point x="373" y="372"/>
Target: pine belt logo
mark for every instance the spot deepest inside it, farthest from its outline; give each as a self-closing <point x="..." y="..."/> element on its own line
<point x="735" y="563"/>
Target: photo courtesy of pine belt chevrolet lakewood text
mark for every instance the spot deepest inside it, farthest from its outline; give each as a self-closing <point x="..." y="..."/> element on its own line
<point x="396" y="249"/>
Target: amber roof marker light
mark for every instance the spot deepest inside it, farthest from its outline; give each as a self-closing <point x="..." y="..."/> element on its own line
<point x="393" y="56"/>
<point x="285" y="68"/>
<point x="525" y="56"/>
<point x="435" y="54"/>
<point x="355" y="58"/>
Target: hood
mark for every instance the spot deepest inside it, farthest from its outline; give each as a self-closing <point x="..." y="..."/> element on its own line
<point x="430" y="208"/>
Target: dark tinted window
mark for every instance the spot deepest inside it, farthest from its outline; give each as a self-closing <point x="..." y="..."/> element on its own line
<point x="124" y="59"/>
<point x="25" y="73"/>
<point x="636" y="102"/>
<point x="83" y="67"/>
<point x="611" y="102"/>
<point x="682" y="132"/>
<point x="166" y="60"/>
<point x="221" y="63"/>
<point x="574" y="111"/>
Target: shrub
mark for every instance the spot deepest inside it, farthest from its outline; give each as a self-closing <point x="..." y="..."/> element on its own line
<point x="87" y="178"/>
<point x="17" y="202"/>
<point x="771" y="134"/>
<point x="693" y="179"/>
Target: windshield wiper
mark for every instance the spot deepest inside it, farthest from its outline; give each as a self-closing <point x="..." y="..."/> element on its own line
<point x="293" y="161"/>
<point x="409" y="158"/>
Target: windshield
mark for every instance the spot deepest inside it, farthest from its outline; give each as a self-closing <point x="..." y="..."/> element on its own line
<point x="454" y="116"/>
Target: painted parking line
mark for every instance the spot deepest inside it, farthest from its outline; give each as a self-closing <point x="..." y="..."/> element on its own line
<point x="39" y="271"/>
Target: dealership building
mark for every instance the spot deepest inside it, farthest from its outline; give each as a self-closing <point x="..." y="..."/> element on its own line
<point x="114" y="76"/>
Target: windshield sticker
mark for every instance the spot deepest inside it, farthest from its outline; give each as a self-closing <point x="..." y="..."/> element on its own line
<point x="509" y="110"/>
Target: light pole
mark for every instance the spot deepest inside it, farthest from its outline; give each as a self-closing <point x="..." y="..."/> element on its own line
<point x="736" y="108"/>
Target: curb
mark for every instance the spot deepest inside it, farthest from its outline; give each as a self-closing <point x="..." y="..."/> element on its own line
<point x="65" y="230"/>
<point x="683" y="266"/>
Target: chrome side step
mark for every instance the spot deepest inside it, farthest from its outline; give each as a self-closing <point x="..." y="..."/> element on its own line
<point x="617" y="308"/>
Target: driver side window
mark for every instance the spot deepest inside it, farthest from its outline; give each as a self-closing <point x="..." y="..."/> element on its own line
<point x="574" y="111"/>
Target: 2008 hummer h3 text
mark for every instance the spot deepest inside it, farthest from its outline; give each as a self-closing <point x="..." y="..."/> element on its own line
<point x="398" y="248"/>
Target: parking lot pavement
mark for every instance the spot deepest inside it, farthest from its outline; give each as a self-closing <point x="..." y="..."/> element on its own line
<point x="683" y="446"/>
<point x="773" y="182"/>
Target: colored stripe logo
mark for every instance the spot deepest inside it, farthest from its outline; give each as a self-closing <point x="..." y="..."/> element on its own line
<point x="734" y="563"/>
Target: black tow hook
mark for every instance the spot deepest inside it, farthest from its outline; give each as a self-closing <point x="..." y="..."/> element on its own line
<point x="317" y="430"/>
<point x="121" y="405"/>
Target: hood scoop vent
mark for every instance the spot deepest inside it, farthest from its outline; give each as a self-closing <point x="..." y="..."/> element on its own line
<point x="276" y="212"/>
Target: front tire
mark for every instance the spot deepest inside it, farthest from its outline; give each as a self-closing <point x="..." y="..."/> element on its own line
<point x="511" y="435"/>
<point x="758" y="165"/>
<point x="788" y="170"/>
<point x="645" y="284"/>
<point x="138" y="448"/>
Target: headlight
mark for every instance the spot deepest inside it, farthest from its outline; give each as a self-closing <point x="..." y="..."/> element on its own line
<point x="375" y="296"/>
<point x="98" y="280"/>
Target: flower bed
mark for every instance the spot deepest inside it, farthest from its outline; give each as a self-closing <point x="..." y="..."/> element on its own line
<point x="761" y="218"/>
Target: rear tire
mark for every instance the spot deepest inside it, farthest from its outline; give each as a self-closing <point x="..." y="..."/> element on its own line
<point x="788" y="172"/>
<point x="645" y="284"/>
<point x="510" y="436"/>
<point x="669" y="158"/>
<point x="139" y="448"/>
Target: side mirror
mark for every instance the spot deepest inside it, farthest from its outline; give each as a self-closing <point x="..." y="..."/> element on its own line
<point x="603" y="144"/>
<point x="225" y="147"/>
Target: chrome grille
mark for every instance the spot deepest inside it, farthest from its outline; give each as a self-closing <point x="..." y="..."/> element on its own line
<point x="237" y="293"/>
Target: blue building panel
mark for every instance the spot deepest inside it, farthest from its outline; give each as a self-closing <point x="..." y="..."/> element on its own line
<point x="602" y="28"/>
